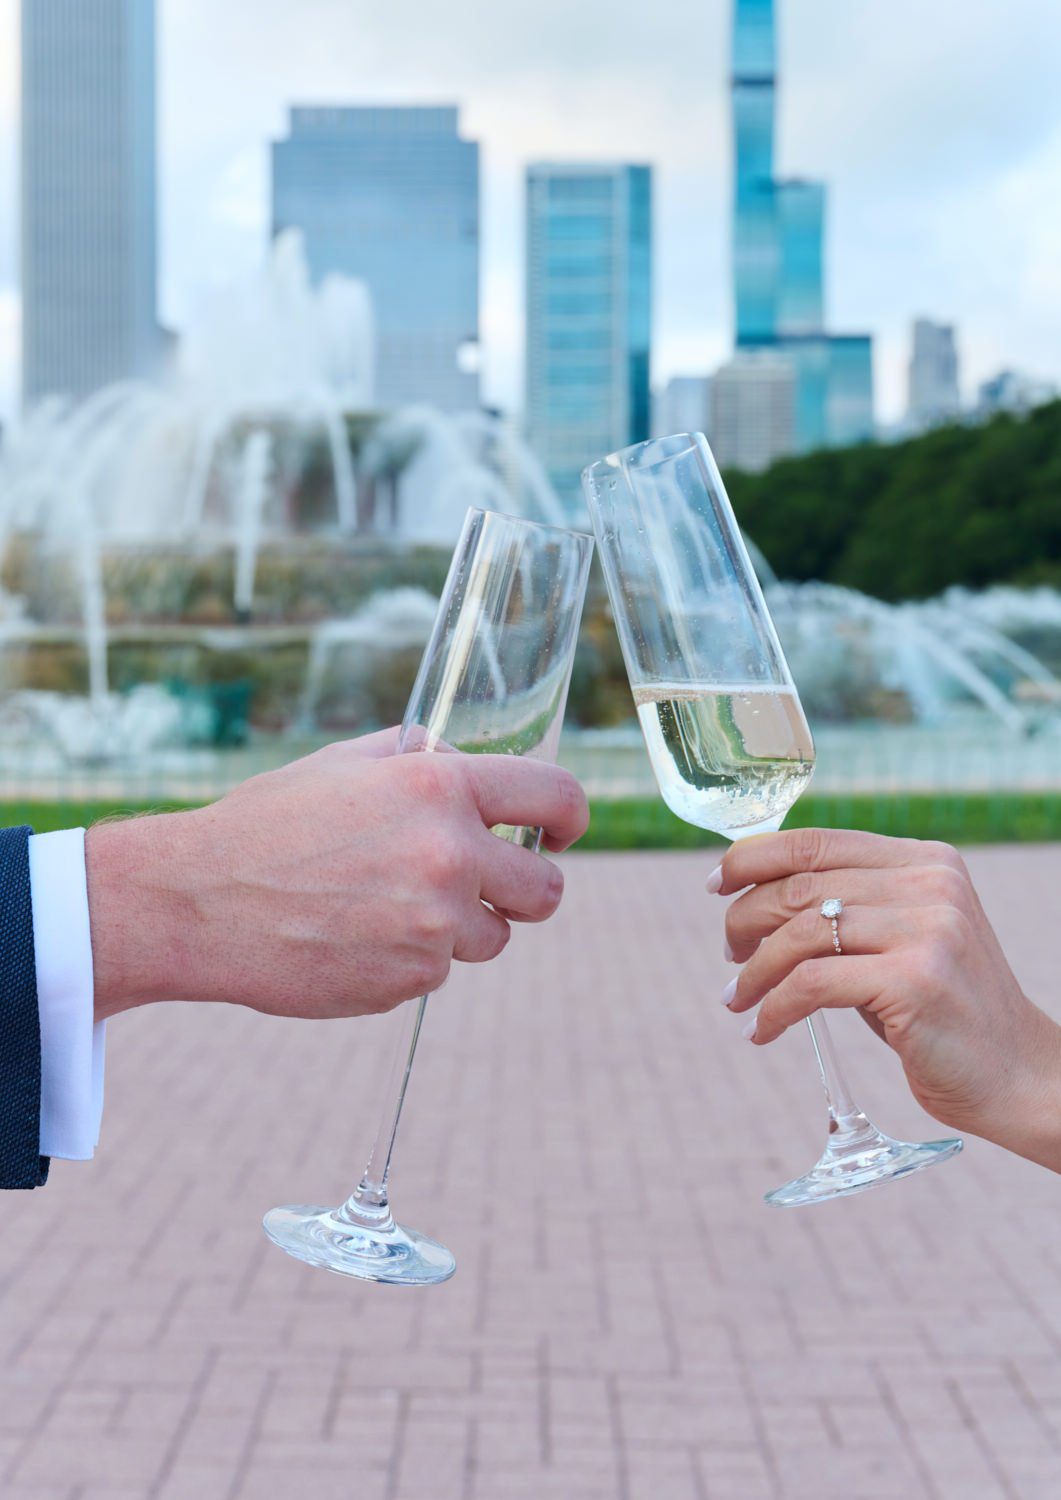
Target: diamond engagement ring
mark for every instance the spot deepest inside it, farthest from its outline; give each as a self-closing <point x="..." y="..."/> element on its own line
<point x="831" y="910"/>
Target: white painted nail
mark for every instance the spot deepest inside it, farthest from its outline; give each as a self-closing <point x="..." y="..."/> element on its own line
<point x="714" y="881"/>
<point x="748" y="1029"/>
<point x="727" y="951"/>
<point x="729" y="992"/>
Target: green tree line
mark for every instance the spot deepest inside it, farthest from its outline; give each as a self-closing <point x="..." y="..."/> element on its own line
<point x="960" y="505"/>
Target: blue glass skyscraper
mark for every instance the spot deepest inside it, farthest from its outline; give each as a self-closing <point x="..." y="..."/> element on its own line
<point x="390" y="195"/>
<point x="589" y="275"/>
<point x="778" y="274"/>
<point x="799" y="219"/>
<point x="755" y="238"/>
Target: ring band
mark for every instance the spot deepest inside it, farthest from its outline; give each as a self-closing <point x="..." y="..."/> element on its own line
<point x="831" y="910"/>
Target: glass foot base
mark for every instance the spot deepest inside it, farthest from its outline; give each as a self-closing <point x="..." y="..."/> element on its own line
<point x="321" y="1237"/>
<point x="854" y="1165"/>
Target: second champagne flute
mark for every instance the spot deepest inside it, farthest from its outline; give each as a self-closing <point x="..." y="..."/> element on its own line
<point x="722" y="720"/>
<point x="493" y="678"/>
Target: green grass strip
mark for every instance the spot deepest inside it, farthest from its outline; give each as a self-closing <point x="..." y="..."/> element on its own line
<point x="646" y="823"/>
<point x="957" y="818"/>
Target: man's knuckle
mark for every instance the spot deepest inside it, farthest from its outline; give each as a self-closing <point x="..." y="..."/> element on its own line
<point x="430" y="972"/>
<point x="445" y="860"/>
<point x="434" y="921"/>
<point x="434" y="778"/>
<point x="433" y="926"/>
<point x="553" y="885"/>
<point x="571" y="799"/>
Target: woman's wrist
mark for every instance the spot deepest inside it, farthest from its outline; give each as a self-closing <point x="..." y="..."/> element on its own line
<point x="1029" y="1118"/>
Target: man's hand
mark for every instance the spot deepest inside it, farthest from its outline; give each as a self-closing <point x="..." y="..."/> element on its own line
<point x="340" y="885"/>
<point x="921" y="962"/>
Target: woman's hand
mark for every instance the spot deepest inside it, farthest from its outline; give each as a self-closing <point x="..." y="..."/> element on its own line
<point x="921" y="962"/>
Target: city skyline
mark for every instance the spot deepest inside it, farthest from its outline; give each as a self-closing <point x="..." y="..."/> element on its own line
<point x="965" y="231"/>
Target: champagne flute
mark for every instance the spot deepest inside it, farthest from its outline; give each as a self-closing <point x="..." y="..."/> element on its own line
<point x="493" y="678"/>
<point x="721" y="717"/>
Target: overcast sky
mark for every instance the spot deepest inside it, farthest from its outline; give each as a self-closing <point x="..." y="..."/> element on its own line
<point x="936" y="123"/>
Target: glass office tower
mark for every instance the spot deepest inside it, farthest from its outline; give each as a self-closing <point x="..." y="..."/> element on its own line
<point x="88" y="195"/>
<point x="755" y="236"/>
<point x="800" y="215"/>
<point x="778" y="275"/>
<point x="391" y="196"/>
<point x="589" y="276"/>
<point x="849" y="416"/>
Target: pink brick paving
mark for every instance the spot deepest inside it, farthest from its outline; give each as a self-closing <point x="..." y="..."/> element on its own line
<point x="628" y="1322"/>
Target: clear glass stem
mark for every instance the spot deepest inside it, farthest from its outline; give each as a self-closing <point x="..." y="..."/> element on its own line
<point x="846" y="1120"/>
<point x="368" y="1204"/>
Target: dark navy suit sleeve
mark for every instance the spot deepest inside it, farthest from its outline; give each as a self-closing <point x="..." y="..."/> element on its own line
<point x="21" y="1164"/>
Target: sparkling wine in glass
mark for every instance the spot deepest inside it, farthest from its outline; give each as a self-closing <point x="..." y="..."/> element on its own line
<point x="725" y="730"/>
<point x="493" y="679"/>
<point x="726" y="758"/>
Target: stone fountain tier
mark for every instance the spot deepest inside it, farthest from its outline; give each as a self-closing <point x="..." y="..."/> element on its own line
<point x="187" y="682"/>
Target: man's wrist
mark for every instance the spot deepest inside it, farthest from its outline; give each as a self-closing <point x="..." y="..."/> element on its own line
<point x="142" y="911"/>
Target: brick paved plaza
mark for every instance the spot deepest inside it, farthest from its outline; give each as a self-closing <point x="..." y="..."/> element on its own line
<point x="589" y="1134"/>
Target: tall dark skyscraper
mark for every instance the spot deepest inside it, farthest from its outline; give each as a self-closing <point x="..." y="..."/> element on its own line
<point x="88" y="194"/>
<point x="778" y="280"/>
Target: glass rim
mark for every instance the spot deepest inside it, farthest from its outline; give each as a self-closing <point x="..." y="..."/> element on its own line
<point x="503" y="515"/>
<point x="629" y="456"/>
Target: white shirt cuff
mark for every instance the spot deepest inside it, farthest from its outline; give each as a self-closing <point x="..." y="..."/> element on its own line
<point x="72" y="1044"/>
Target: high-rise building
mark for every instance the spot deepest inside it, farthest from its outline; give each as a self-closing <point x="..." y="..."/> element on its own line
<point x="683" y="405"/>
<point x="391" y="196"/>
<point x="1010" y="391"/>
<point x="800" y="297"/>
<point x="753" y="409"/>
<point x="934" y="396"/>
<point x="755" y="240"/>
<point x="778" y="276"/>
<point x="88" y="194"/>
<point x="849" y="403"/>
<point x="589" y="277"/>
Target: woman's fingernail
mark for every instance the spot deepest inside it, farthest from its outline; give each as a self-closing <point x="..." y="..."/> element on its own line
<point x="714" y="881"/>
<point x="747" y="1031"/>
<point x="729" y="993"/>
<point x="727" y="951"/>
